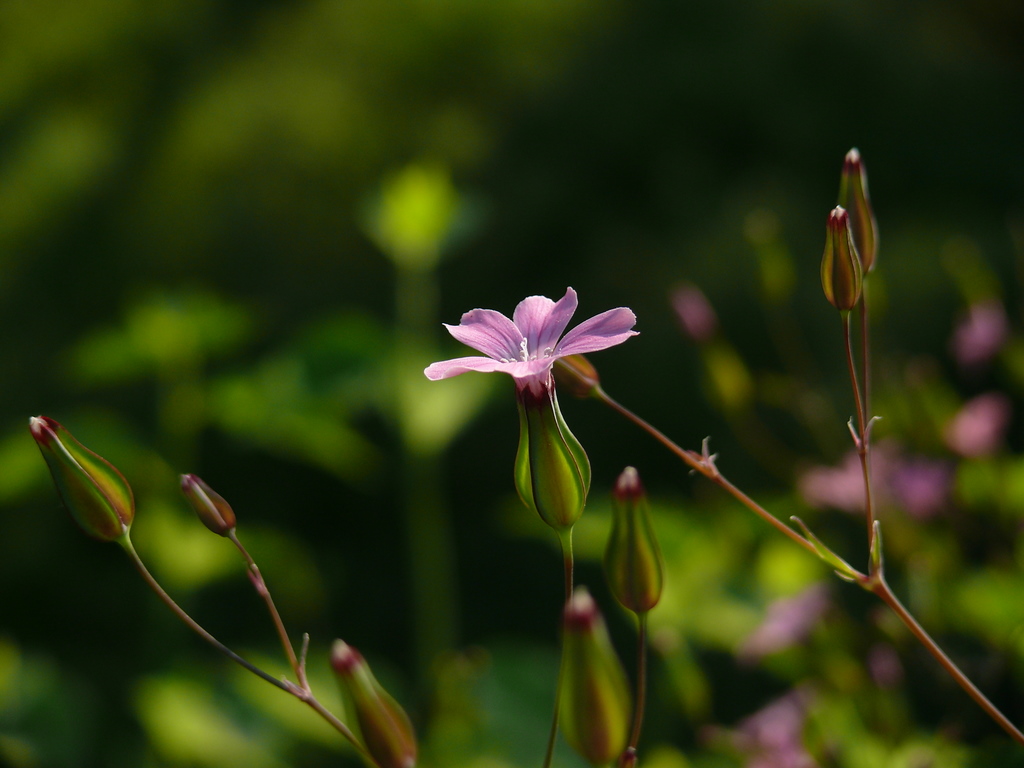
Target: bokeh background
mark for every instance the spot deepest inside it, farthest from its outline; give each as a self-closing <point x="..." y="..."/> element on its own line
<point x="229" y="232"/>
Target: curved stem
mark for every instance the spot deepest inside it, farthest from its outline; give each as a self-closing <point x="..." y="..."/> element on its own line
<point x="705" y="465"/>
<point x="881" y="588"/>
<point x="565" y="538"/>
<point x="126" y="544"/>
<point x="303" y="694"/>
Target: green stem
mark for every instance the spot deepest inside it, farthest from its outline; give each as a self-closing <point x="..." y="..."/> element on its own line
<point x="429" y="533"/>
<point x="641" y="679"/>
<point x="565" y="538"/>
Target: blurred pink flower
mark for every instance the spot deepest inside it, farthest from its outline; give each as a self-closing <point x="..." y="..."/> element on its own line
<point x="885" y="666"/>
<point x="696" y="315"/>
<point x="980" y="334"/>
<point x="840" y="487"/>
<point x="920" y="485"/>
<point x="526" y="346"/>
<point x="773" y="736"/>
<point x="787" y="621"/>
<point x="980" y="426"/>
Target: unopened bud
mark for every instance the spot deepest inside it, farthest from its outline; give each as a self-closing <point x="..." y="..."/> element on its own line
<point x="386" y="730"/>
<point x="552" y="471"/>
<point x="595" y="706"/>
<point x="627" y="759"/>
<point x="853" y="195"/>
<point x="576" y="374"/>
<point x="94" y="492"/>
<point x="632" y="559"/>
<point x="215" y="513"/>
<point x="840" y="266"/>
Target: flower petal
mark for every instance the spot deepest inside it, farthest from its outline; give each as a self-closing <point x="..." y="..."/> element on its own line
<point x="542" y="320"/>
<point x="489" y="332"/>
<point x="599" y="332"/>
<point x="448" y="368"/>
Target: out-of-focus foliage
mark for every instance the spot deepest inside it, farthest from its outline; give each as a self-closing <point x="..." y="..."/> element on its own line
<point x="229" y="233"/>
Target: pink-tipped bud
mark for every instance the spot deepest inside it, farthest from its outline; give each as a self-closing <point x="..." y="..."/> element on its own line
<point x="94" y="492"/>
<point x="853" y="196"/>
<point x="595" y="706"/>
<point x="841" y="274"/>
<point x="386" y="730"/>
<point x="215" y="513"/>
<point x="576" y="374"/>
<point x="632" y="559"/>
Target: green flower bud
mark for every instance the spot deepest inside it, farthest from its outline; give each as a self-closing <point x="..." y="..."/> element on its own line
<point x="632" y="559"/>
<point x="94" y="492"/>
<point x="840" y="266"/>
<point x="577" y="375"/>
<point x="853" y="196"/>
<point x="552" y="470"/>
<point x="215" y="513"/>
<point x="386" y="730"/>
<point x="595" y="705"/>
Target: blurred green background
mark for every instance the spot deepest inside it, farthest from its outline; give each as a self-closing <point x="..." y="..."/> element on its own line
<point x="229" y="232"/>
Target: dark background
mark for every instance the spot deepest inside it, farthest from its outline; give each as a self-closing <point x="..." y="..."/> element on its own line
<point x="194" y="276"/>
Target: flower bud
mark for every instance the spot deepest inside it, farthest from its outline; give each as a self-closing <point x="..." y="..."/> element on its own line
<point x="552" y="470"/>
<point x="632" y="559"/>
<point x="215" y="513"/>
<point x="386" y="730"/>
<point x="840" y="266"/>
<point x="853" y="195"/>
<point x="595" y="705"/>
<point x="94" y="492"/>
<point x="576" y="374"/>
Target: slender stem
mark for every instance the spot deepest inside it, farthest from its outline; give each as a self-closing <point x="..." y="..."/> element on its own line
<point x="641" y="679"/>
<point x="855" y="383"/>
<point x="865" y="349"/>
<point x="302" y="694"/>
<point x="705" y="466"/>
<point x="881" y="588"/>
<point x="862" y="438"/>
<point x="263" y="592"/>
<point x="565" y="538"/>
<point x="126" y="544"/>
<point x="874" y="583"/>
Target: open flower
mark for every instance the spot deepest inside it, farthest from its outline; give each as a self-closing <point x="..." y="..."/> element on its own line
<point x="526" y="346"/>
<point x="552" y="471"/>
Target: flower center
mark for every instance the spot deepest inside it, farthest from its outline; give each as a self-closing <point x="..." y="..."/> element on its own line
<point x="526" y="356"/>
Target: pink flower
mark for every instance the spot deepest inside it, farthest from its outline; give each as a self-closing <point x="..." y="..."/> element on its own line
<point x="978" y="429"/>
<point x="695" y="313"/>
<point x="773" y="736"/>
<point x="921" y="485"/>
<point x="526" y="346"/>
<point x="980" y="334"/>
<point x="788" y="621"/>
